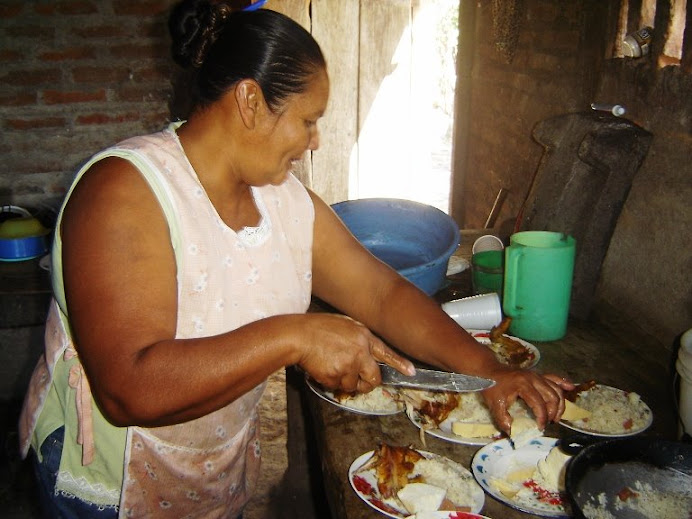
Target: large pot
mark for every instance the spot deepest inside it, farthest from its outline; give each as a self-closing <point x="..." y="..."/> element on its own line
<point x="607" y="468"/>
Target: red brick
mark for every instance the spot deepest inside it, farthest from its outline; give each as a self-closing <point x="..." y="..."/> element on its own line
<point x="38" y="32"/>
<point x="11" y="9"/>
<point x="153" y="73"/>
<point x="100" y="118"/>
<point x="143" y="93"/>
<point x="74" y="7"/>
<point x="100" y="31"/>
<point x="140" y="7"/>
<point x="52" y="97"/>
<point x="10" y="55"/>
<point x="20" y="99"/>
<point x="100" y="74"/>
<point x="30" y="77"/>
<point x="31" y="124"/>
<point x="74" y="53"/>
<point x="160" y="50"/>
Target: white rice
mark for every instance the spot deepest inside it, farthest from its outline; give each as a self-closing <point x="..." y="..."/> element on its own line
<point x="380" y="399"/>
<point x="445" y="473"/>
<point x="648" y="502"/>
<point x="612" y="411"/>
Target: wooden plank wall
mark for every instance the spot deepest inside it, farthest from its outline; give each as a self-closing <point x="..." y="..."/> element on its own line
<point x="363" y="41"/>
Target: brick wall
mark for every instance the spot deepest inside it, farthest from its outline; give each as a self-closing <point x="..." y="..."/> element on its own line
<point x="76" y="76"/>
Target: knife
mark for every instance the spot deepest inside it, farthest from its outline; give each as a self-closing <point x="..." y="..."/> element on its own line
<point x="434" y="380"/>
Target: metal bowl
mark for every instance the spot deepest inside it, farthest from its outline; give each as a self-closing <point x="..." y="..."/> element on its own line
<point x="415" y="239"/>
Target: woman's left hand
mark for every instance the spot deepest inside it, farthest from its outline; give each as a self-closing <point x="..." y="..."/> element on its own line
<point x="542" y="393"/>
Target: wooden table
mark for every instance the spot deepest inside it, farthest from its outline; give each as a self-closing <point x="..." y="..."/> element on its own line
<point x="612" y="352"/>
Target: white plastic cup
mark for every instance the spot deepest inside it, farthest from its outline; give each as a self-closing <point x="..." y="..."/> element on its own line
<point x="480" y="312"/>
<point x="684" y="369"/>
<point x="487" y="242"/>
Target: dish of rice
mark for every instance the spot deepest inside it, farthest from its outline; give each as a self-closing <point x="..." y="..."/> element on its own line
<point x="380" y="401"/>
<point x="456" y="417"/>
<point x="381" y="477"/>
<point x="613" y="412"/>
<point x="645" y="500"/>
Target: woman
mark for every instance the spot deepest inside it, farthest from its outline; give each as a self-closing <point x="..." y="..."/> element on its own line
<point x="184" y="264"/>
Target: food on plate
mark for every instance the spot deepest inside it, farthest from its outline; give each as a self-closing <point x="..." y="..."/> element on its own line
<point x="393" y="468"/>
<point x="612" y="411"/>
<point x="381" y="398"/>
<point x="475" y="429"/>
<point x="573" y="412"/>
<point x="421" y="497"/>
<point x="644" y="500"/>
<point x="523" y="430"/>
<point x="508" y="350"/>
<point x="545" y="482"/>
<point x="464" y="414"/>
<point x="419" y="483"/>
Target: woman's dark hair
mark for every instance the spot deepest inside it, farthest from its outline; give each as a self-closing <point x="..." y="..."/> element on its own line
<point x="226" y="46"/>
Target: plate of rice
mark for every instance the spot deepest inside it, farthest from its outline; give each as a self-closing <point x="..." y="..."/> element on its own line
<point x="456" y="417"/>
<point x="451" y="483"/>
<point x="613" y="412"/>
<point x="381" y="401"/>
<point x="509" y="350"/>
<point x="511" y="476"/>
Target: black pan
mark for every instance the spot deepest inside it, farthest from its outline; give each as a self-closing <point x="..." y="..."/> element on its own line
<point x="609" y="466"/>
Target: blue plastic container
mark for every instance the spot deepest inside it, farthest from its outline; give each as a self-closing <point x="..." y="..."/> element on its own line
<point x="415" y="239"/>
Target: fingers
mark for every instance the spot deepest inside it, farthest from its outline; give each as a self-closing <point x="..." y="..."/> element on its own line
<point x="383" y="353"/>
<point x="562" y="382"/>
<point x="542" y="394"/>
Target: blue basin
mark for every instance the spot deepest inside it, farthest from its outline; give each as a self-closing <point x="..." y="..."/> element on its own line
<point x="415" y="239"/>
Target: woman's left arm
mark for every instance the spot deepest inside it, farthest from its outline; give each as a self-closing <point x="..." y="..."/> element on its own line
<point x="351" y="279"/>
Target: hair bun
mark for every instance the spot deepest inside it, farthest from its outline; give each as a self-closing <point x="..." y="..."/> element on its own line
<point x="194" y="26"/>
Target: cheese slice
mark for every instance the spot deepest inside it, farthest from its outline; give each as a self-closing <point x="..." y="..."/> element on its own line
<point x="550" y="473"/>
<point x="523" y="430"/>
<point x="573" y="412"/>
<point x="421" y="497"/>
<point x="506" y="488"/>
<point x="474" y="429"/>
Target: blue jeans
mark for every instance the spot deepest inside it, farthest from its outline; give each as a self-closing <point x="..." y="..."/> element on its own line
<point x="59" y="506"/>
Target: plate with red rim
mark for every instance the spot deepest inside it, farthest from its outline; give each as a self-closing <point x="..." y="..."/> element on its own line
<point x="483" y="336"/>
<point x="364" y="484"/>
<point x="449" y="515"/>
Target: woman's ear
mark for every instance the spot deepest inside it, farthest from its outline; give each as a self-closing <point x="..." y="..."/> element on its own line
<point x="249" y="99"/>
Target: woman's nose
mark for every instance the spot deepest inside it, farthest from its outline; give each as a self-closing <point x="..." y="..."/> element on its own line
<point x="314" y="142"/>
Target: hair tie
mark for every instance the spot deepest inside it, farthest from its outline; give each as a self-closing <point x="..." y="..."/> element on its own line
<point x="255" y="6"/>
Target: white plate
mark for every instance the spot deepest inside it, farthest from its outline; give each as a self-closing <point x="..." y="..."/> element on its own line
<point x="483" y="337"/>
<point x="444" y="431"/>
<point x="645" y="412"/>
<point x="364" y="485"/>
<point x="451" y="515"/>
<point x="329" y="397"/>
<point x="498" y="459"/>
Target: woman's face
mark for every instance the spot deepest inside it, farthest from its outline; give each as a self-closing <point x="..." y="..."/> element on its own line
<point x="291" y="131"/>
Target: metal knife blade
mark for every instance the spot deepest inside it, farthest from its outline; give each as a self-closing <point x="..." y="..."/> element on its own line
<point x="434" y="380"/>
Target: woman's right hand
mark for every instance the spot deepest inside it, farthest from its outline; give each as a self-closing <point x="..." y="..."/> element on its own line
<point x="341" y="353"/>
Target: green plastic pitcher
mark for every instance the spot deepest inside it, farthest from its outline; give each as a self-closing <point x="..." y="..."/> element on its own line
<point x="539" y="266"/>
